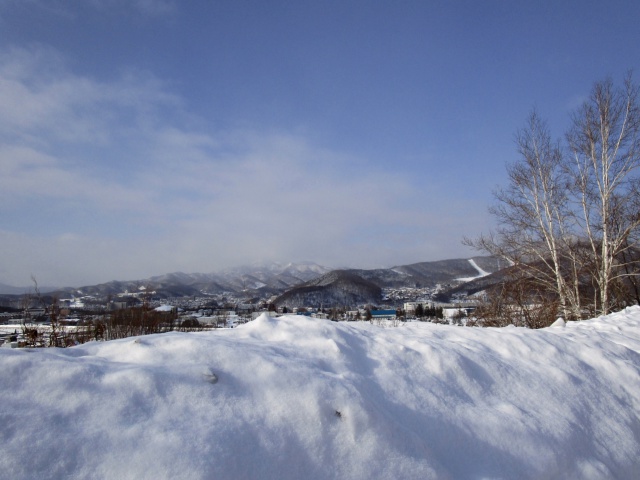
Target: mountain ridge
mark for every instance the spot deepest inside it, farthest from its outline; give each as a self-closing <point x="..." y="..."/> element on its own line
<point x="271" y="279"/>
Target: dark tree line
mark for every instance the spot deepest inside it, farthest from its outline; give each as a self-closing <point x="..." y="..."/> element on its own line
<point x="431" y="311"/>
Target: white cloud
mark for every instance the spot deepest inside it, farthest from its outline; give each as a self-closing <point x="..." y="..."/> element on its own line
<point x="116" y="186"/>
<point x="68" y="9"/>
<point x="147" y="7"/>
<point x="41" y="101"/>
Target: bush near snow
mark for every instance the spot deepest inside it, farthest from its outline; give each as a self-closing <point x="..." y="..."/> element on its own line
<point x="295" y="397"/>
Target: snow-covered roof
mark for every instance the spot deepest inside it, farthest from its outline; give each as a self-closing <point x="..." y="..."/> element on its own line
<point x="164" y="308"/>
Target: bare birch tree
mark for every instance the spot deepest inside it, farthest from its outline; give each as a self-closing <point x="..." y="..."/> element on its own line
<point x="605" y="146"/>
<point x="534" y="221"/>
<point x="569" y="219"/>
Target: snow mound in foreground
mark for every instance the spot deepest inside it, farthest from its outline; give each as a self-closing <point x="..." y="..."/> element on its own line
<point x="295" y="397"/>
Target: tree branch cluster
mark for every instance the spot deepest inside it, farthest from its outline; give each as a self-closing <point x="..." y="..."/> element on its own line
<point x="569" y="218"/>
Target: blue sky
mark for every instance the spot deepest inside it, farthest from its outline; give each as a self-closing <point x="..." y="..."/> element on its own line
<point x="148" y="136"/>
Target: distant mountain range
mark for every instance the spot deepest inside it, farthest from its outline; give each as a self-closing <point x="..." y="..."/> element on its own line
<point x="289" y="281"/>
<point x="428" y="274"/>
<point x="359" y="287"/>
<point x="11" y="290"/>
<point x="260" y="278"/>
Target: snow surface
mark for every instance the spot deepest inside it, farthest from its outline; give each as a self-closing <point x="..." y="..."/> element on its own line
<point x="481" y="272"/>
<point x="296" y="397"/>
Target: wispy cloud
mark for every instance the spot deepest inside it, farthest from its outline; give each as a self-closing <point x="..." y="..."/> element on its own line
<point x="113" y="184"/>
<point x="148" y="7"/>
<point x="67" y="8"/>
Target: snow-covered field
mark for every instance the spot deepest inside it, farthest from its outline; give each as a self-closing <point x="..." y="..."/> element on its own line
<point x="299" y="398"/>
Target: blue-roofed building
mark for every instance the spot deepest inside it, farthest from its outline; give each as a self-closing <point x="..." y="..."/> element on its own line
<point x="383" y="314"/>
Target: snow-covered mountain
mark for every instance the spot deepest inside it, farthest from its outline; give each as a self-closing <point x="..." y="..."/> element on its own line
<point x="271" y="278"/>
<point x="428" y="274"/>
<point x="295" y="397"/>
<point x="264" y="278"/>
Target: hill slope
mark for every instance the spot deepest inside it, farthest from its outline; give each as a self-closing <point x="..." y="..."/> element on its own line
<point x="428" y="274"/>
<point x="339" y="287"/>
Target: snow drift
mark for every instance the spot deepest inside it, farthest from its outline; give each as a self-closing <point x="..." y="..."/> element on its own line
<point x="294" y="397"/>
